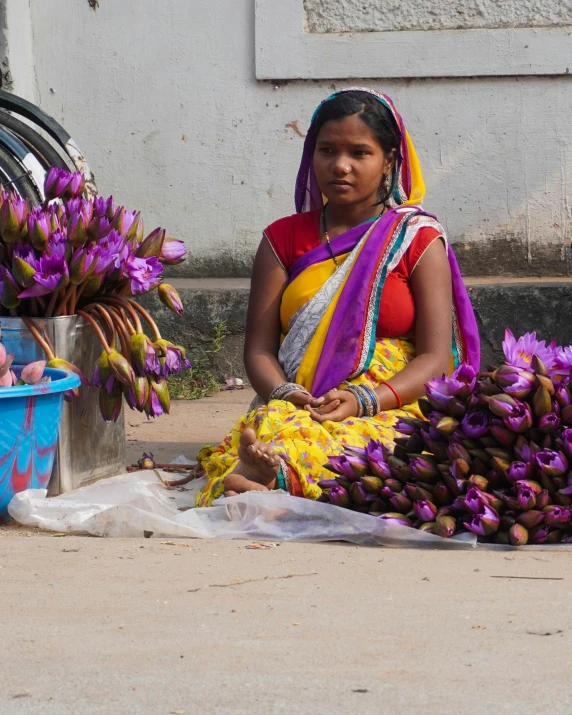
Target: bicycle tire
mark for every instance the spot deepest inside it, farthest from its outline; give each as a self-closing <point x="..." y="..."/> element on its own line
<point x="18" y="179"/>
<point x="34" y="141"/>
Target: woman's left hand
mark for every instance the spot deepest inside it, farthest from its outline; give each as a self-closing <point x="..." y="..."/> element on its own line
<point x="338" y="406"/>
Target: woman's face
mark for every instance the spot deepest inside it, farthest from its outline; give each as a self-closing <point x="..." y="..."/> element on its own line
<point x="349" y="163"/>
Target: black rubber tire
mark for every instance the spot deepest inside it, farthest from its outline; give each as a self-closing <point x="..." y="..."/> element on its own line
<point x="35" y="142"/>
<point x="19" y="181"/>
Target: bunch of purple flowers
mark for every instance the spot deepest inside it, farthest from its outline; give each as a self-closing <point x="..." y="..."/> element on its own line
<point x="89" y="257"/>
<point x="491" y="456"/>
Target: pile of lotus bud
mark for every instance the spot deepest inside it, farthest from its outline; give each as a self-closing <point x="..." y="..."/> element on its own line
<point x="493" y="455"/>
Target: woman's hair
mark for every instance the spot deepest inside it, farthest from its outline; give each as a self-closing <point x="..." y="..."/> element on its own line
<point x="375" y="115"/>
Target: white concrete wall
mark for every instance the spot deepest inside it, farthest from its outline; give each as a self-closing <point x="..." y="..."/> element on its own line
<point x="161" y="97"/>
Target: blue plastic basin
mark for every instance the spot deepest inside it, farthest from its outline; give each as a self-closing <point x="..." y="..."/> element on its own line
<point x="29" y="423"/>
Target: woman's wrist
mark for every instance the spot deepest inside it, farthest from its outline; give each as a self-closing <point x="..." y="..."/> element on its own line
<point x="388" y="396"/>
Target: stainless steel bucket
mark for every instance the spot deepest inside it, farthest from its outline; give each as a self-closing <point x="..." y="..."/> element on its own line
<point x="88" y="448"/>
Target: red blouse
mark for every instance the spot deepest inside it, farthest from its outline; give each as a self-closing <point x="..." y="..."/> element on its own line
<point x="292" y="236"/>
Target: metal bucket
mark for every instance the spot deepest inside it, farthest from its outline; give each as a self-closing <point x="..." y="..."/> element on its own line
<point x="88" y="448"/>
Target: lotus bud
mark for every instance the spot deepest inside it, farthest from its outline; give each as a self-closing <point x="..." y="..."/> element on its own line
<point x="327" y="483"/>
<point x="501" y="537"/>
<point x="140" y="389"/>
<point x="567" y="442"/>
<point x="460" y="468"/>
<point x="10" y="289"/>
<point x="442" y="496"/>
<point x="32" y="374"/>
<point x="341" y="465"/>
<point x="377" y="507"/>
<point x="343" y="482"/>
<point x="13" y="214"/>
<point x="478" y="481"/>
<point x="425" y="510"/>
<point x="339" y="496"/>
<point x="520" y="418"/>
<point x="400" y="503"/>
<point x="500" y="466"/>
<point x="556" y="515"/>
<point x="120" y="368"/>
<point x="161" y="389"/>
<point x="457" y="408"/>
<point x="522" y="449"/>
<point x="444" y="526"/>
<point x="562" y="499"/>
<point x="23" y="272"/>
<point x="447" y="425"/>
<point x="539" y="534"/>
<point x="455" y="485"/>
<point x="537" y="366"/>
<point x="110" y="404"/>
<point x="541" y="402"/>
<point x="551" y="463"/>
<point x="395" y="518"/>
<point x="169" y="297"/>
<point x="428" y="526"/>
<point x="405" y="426"/>
<point x="60" y="364"/>
<point x="457" y="451"/>
<point x="563" y="395"/>
<point x="437" y="449"/>
<point x="502" y="405"/>
<point x="56" y="182"/>
<point x="543" y="381"/>
<point x="424" y="468"/>
<point x="531" y="518"/>
<point x="503" y="434"/>
<point x="518" y="535"/>
<point x="372" y="485"/>
<point x="518" y="471"/>
<point x="485" y="523"/>
<point x="173" y="252"/>
<point x="146" y="461"/>
<point x="542" y="499"/>
<point x="358" y="494"/>
<point x="526" y="498"/>
<point x="475" y="424"/>
<point x="152" y="245"/>
<point x="399" y="469"/>
<point x="529" y="484"/>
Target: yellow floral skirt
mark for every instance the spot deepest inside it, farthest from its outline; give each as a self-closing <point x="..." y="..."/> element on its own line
<point x="306" y="445"/>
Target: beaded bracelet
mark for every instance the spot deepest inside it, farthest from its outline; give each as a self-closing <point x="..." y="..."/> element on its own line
<point x="283" y="391"/>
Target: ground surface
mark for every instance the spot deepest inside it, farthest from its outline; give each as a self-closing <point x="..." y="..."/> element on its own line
<point x="172" y="626"/>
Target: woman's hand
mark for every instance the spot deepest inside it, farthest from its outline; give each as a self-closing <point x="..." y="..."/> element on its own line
<point x="301" y="399"/>
<point x="337" y="406"/>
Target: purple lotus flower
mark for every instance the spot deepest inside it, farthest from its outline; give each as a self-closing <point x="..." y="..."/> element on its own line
<point x="485" y="523"/>
<point x="520" y="418"/>
<point x="52" y="274"/>
<point x="562" y="362"/>
<point x="556" y="515"/>
<point x="514" y="381"/>
<point x="104" y="207"/>
<point x="38" y="229"/>
<point x="520" y="352"/>
<point x="563" y="396"/>
<point x="339" y="496"/>
<point x="76" y="185"/>
<point x="474" y="500"/>
<point x="439" y="393"/>
<point x="56" y="182"/>
<point x="425" y="510"/>
<point x="144" y="273"/>
<point x="173" y="252"/>
<point x="463" y="380"/>
<point x="170" y="297"/>
<point x="376" y="458"/>
<point x="108" y="252"/>
<point x="475" y="424"/>
<point x="13" y="213"/>
<point x="123" y="220"/>
<point x="341" y="465"/>
<point x="549" y="423"/>
<point x="519" y="471"/>
<point x="78" y="223"/>
<point x="566" y="438"/>
<point x="82" y="264"/>
<point x="526" y="498"/>
<point x="551" y="463"/>
<point x="144" y="356"/>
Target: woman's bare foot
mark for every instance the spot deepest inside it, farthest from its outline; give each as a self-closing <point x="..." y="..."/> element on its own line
<point x="235" y="484"/>
<point x="258" y="461"/>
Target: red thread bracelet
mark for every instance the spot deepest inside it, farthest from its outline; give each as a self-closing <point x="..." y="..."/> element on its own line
<point x="399" y="400"/>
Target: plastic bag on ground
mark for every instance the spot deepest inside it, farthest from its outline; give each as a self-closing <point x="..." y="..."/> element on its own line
<point x="130" y="504"/>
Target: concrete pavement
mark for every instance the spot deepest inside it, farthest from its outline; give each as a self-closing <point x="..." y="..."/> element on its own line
<point x="165" y="626"/>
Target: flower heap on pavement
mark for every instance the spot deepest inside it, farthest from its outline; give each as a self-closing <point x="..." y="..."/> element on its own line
<point x="492" y="457"/>
<point x="89" y="257"/>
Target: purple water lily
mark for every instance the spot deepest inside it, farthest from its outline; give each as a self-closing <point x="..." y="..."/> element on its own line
<point x="144" y="273"/>
<point x="463" y="380"/>
<point x="549" y="423"/>
<point x="551" y="463"/>
<point x="485" y="523"/>
<point x="425" y="510"/>
<point x="108" y="251"/>
<point x="526" y="498"/>
<point x="56" y="182"/>
<point x="474" y="500"/>
<point x="376" y="458"/>
<point x="519" y="471"/>
<point x="520" y="352"/>
<point x="104" y="207"/>
<point x="520" y="417"/>
<point x="475" y="424"/>
<point x="439" y="393"/>
<point x="52" y="274"/>
<point x="562" y="362"/>
<point x="515" y="381"/>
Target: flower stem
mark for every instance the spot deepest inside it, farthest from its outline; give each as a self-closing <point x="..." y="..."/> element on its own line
<point x="121" y="331"/>
<point x="109" y="327"/>
<point x="124" y="303"/>
<point x="148" y="318"/>
<point x="97" y="329"/>
<point x="38" y="338"/>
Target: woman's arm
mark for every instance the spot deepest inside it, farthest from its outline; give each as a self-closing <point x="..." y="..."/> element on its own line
<point x="269" y="280"/>
<point x="432" y="292"/>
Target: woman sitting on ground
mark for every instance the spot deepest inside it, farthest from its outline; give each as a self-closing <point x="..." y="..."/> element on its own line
<point x="356" y="302"/>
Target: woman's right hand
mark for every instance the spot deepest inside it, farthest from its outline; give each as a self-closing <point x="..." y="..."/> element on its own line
<point x="302" y="399"/>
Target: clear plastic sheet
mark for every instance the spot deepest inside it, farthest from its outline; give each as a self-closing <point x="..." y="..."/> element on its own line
<point x="128" y="505"/>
